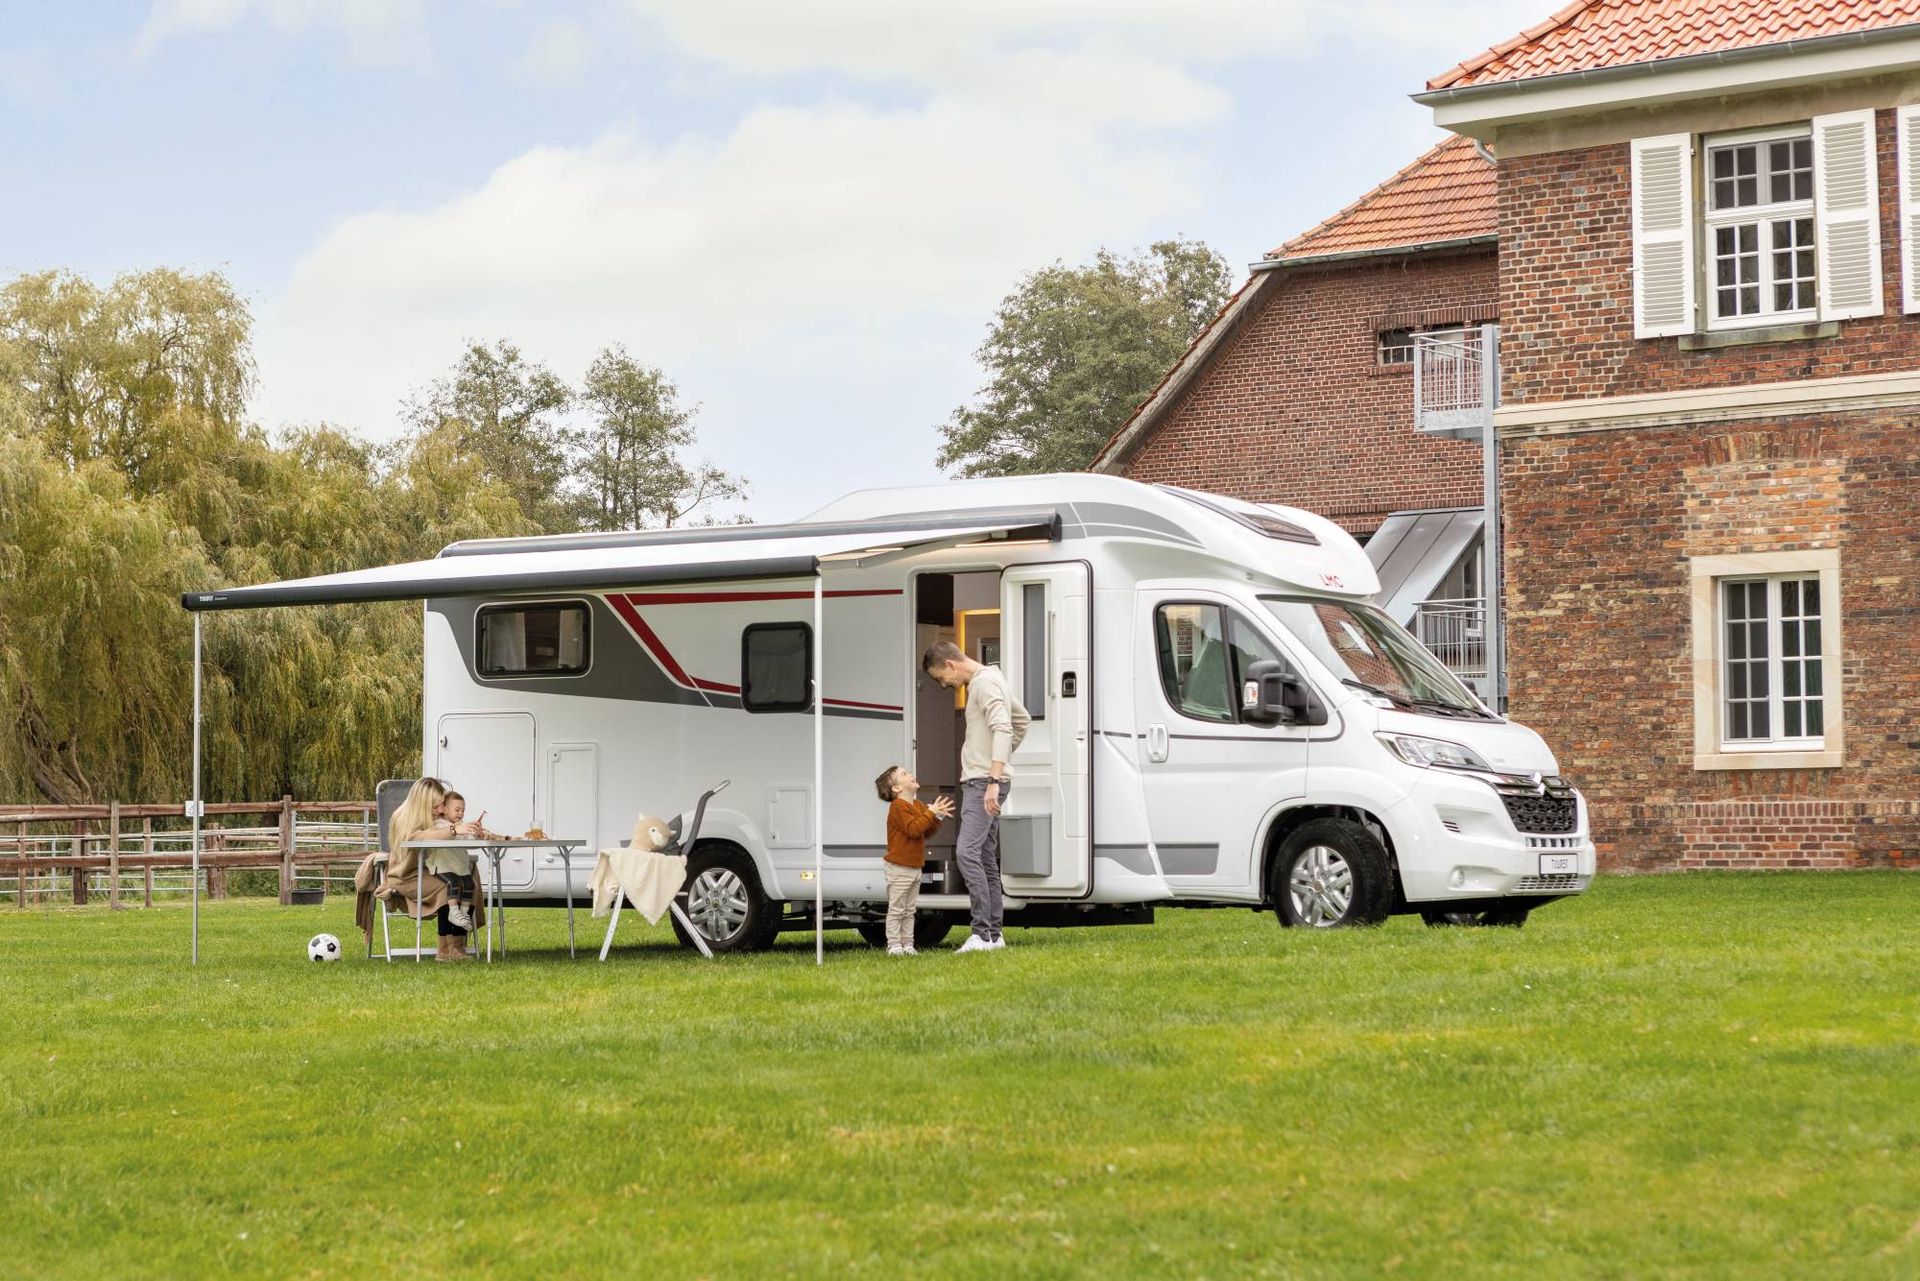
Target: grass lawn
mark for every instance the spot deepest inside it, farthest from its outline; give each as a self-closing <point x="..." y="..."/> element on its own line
<point x="1709" y="1075"/>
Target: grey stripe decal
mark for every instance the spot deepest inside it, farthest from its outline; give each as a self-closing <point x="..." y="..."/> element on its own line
<point x="1133" y="519"/>
<point x="1132" y="857"/>
<point x="1188" y="860"/>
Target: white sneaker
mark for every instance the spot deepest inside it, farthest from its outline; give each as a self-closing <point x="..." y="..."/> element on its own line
<point x="909" y="951"/>
<point x="459" y="917"/>
<point x="997" y="944"/>
<point x="896" y="951"/>
<point x="974" y="943"/>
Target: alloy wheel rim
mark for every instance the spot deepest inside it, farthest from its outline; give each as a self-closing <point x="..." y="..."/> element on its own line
<point x="1321" y="887"/>
<point x="717" y="903"/>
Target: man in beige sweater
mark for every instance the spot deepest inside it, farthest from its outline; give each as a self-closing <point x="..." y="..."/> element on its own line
<point x="995" y="725"/>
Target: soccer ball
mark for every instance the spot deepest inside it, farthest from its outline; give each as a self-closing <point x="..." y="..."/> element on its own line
<point x="323" y="947"/>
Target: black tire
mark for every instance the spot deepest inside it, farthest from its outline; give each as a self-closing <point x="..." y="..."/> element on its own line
<point x="723" y="898"/>
<point x="1345" y="877"/>
<point x="1510" y="916"/>
<point x="929" y="931"/>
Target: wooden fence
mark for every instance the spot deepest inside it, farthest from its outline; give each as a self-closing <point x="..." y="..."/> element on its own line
<point x="44" y="846"/>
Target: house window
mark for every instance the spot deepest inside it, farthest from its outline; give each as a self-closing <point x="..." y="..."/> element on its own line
<point x="1396" y="346"/>
<point x="1766" y="641"/>
<point x="1759" y="228"/>
<point x="1772" y="679"/>
<point x="547" y="639"/>
<point x="776" y="667"/>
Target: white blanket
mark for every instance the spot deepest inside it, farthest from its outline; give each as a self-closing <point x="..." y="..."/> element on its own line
<point x="649" y="879"/>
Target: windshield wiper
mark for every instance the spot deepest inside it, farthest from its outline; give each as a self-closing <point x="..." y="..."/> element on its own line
<point x="1401" y="699"/>
<point x="1441" y="705"/>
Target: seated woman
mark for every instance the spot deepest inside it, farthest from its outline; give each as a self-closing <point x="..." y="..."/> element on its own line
<point x="449" y="896"/>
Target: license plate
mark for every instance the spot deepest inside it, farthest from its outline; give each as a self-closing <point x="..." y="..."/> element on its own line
<point x="1559" y="864"/>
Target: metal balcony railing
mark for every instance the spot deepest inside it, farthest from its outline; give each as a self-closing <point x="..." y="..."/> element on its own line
<point x="1456" y="381"/>
<point x="1456" y="633"/>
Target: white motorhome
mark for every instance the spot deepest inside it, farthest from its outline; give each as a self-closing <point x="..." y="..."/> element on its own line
<point x="1220" y="714"/>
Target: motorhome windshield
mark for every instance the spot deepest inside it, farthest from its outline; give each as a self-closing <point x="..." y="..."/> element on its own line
<point x="1367" y="650"/>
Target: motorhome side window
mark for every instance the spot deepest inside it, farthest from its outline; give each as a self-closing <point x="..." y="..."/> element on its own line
<point x="545" y="639"/>
<point x="1204" y="649"/>
<point x="776" y="667"/>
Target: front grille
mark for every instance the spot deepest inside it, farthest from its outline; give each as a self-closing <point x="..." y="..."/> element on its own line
<point x="1544" y="814"/>
<point x="1546" y="884"/>
<point x="1553" y="842"/>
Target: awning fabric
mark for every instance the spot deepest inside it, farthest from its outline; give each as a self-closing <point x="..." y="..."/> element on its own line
<point x="588" y="562"/>
<point x="1412" y="552"/>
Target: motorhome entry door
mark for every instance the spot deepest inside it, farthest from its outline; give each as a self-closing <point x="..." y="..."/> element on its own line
<point x="1046" y="647"/>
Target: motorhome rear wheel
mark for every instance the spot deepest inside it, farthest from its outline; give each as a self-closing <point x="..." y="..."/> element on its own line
<point x="1331" y="872"/>
<point x="724" y="900"/>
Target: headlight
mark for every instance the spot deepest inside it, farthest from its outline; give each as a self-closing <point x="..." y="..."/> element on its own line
<point x="1415" y="750"/>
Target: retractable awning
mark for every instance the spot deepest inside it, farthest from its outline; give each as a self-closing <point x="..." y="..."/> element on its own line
<point x="590" y="561"/>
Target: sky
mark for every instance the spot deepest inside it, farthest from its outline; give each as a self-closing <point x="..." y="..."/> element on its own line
<point x="804" y="211"/>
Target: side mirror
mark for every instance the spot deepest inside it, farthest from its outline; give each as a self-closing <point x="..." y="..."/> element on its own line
<point x="1272" y="695"/>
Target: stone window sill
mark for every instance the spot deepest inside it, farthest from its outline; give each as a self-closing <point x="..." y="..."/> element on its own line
<point x="1829" y="759"/>
<point x="1714" y="340"/>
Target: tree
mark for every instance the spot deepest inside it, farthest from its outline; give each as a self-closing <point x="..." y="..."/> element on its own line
<point x="509" y="414"/>
<point x="1072" y="352"/>
<point x="630" y="460"/>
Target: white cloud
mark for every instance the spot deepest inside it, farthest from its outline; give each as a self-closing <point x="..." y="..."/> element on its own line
<point x="829" y="227"/>
<point x="556" y="53"/>
<point x="377" y="32"/>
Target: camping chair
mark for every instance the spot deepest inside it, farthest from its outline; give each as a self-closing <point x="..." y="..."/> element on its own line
<point x="387" y="796"/>
<point x="683" y="840"/>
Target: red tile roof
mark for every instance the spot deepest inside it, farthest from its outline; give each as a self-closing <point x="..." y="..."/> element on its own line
<point x="1447" y="194"/>
<point x="1590" y="34"/>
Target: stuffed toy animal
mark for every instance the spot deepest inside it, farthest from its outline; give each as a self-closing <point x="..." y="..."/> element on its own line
<point x="651" y="833"/>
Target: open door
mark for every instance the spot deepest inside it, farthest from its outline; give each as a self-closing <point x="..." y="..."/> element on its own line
<point x="1046" y="648"/>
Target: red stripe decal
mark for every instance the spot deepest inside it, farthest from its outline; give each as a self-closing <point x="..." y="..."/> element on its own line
<point x="718" y="598"/>
<point x="623" y="605"/>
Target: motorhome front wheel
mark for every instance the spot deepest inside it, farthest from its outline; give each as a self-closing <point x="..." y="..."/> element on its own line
<point x="1331" y="872"/>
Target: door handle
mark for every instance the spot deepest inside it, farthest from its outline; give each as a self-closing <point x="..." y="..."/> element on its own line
<point x="1158" y="742"/>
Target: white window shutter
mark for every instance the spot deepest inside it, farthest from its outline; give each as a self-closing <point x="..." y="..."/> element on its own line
<point x="1663" y="220"/>
<point x="1909" y="122"/>
<point x="1846" y="213"/>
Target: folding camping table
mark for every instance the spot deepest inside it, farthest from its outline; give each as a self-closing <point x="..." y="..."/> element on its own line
<point x="494" y="850"/>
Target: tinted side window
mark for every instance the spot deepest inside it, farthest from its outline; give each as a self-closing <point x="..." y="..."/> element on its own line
<point x="776" y="667"/>
<point x="1205" y="651"/>
<point x="547" y="639"/>
<point x="1193" y="660"/>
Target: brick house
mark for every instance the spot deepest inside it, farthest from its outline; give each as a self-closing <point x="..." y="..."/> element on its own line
<point x="1301" y="391"/>
<point x="1709" y="292"/>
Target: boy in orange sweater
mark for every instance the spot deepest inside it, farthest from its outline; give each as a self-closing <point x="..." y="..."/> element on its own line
<point x="909" y="823"/>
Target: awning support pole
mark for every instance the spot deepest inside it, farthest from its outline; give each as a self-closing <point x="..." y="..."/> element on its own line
<point x="195" y="806"/>
<point x="819" y="793"/>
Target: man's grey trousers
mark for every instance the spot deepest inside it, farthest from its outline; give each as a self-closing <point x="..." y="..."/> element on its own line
<point x="978" y="853"/>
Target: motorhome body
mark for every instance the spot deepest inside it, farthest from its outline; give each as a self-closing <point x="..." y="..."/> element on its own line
<point x="1123" y="616"/>
<point x="1219" y="714"/>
